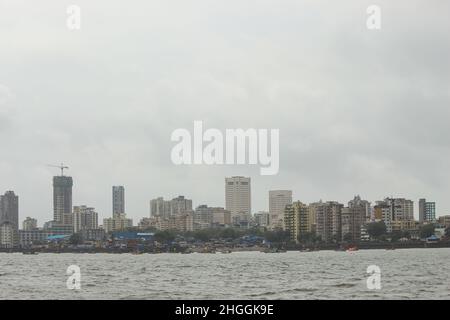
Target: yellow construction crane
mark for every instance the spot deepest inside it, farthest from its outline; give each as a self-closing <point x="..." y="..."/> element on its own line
<point x="61" y="167"/>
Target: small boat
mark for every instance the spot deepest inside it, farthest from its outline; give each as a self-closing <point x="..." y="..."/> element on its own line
<point x="351" y="249"/>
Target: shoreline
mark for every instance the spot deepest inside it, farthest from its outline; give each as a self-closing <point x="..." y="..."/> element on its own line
<point x="228" y="250"/>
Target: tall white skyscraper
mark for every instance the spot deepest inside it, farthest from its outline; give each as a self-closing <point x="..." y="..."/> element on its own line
<point x="238" y="195"/>
<point x="278" y="200"/>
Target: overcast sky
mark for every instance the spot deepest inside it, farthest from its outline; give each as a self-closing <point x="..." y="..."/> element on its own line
<point x="359" y="111"/>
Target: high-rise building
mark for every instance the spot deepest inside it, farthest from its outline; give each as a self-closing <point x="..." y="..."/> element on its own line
<point x="206" y="217"/>
<point x="9" y="236"/>
<point x="238" y="195"/>
<point x="427" y="211"/>
<point x="329" y="220"/>
<point x="84" y="218"/>
<point x="394" y="209"/>
<point x="160" y="208"/>
<point x="278" y="200"/>
<point x="296" y="220"/>
<point x="118" y="200"/>
<point x="363" y="206"/>
<point x="118" y="223"/>
<point x="62" y="199"/>
<point x="180" y="205"/>
<point x="29" y="224"/>
<point x="353" y="217"/>
<point x="9" y="209"/>
<point x="119" y="220"/>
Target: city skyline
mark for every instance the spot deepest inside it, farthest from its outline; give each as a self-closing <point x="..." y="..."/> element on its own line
<point x="118" y="199"/>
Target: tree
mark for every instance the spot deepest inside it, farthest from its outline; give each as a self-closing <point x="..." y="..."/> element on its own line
<point x="376" y="229"/>
<point x="426" y="230"/>
<point x="277" y="236"/>
<point x="307" y="237"/>
<point x="164" y="236"/>
<point x="347" y="237"/>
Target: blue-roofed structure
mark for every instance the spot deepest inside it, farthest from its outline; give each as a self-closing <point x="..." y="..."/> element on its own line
<point x="128" y="235"/>
<point x="58" y="237"/>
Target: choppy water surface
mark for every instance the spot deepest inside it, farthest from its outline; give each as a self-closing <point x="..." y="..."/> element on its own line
<point x="405" y="274"/>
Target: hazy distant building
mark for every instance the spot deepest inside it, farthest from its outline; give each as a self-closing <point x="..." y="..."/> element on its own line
<point x="206" y="217"/>
<point x="445" y="220"/>
<point x="118" y="223"/>
<point x="180" y="205"/>
<point x="118" y="200"/>
<point x="29" y="224"/>
<point x="238" y="195"/>
<point x="9" y="209"/>
<point x="160" y="208"/>
<point x="58" y="228"/>
<point x="62" y="199"/>
<point x="262" y="219"/>
<point x="30" y="237"/>
<point x="84" y="218"/>
<point x="427" y="211"/>
<point x="278" y="200"/>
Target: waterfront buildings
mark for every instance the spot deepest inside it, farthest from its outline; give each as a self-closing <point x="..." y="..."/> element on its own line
<point x="33" y="237"/>
<point x="168" y="208"/>
<point x="278" y="200"/>
<point x="207" y="217"/>
<point x="329" y="220"/>
<point x="296" y="220"/>
<point x="84" y="218"/>
<point x="119" y="222"/>
<point x="427" y="211"/>
<point x="353" y="217"/>
<point x="238" y="196"/>
<point x="363" y="207"/>
<point x="58" y="228"/>
<point x="93" y="234"/>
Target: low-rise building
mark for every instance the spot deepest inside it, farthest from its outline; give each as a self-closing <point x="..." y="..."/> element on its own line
<point x="33" y="237"/>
